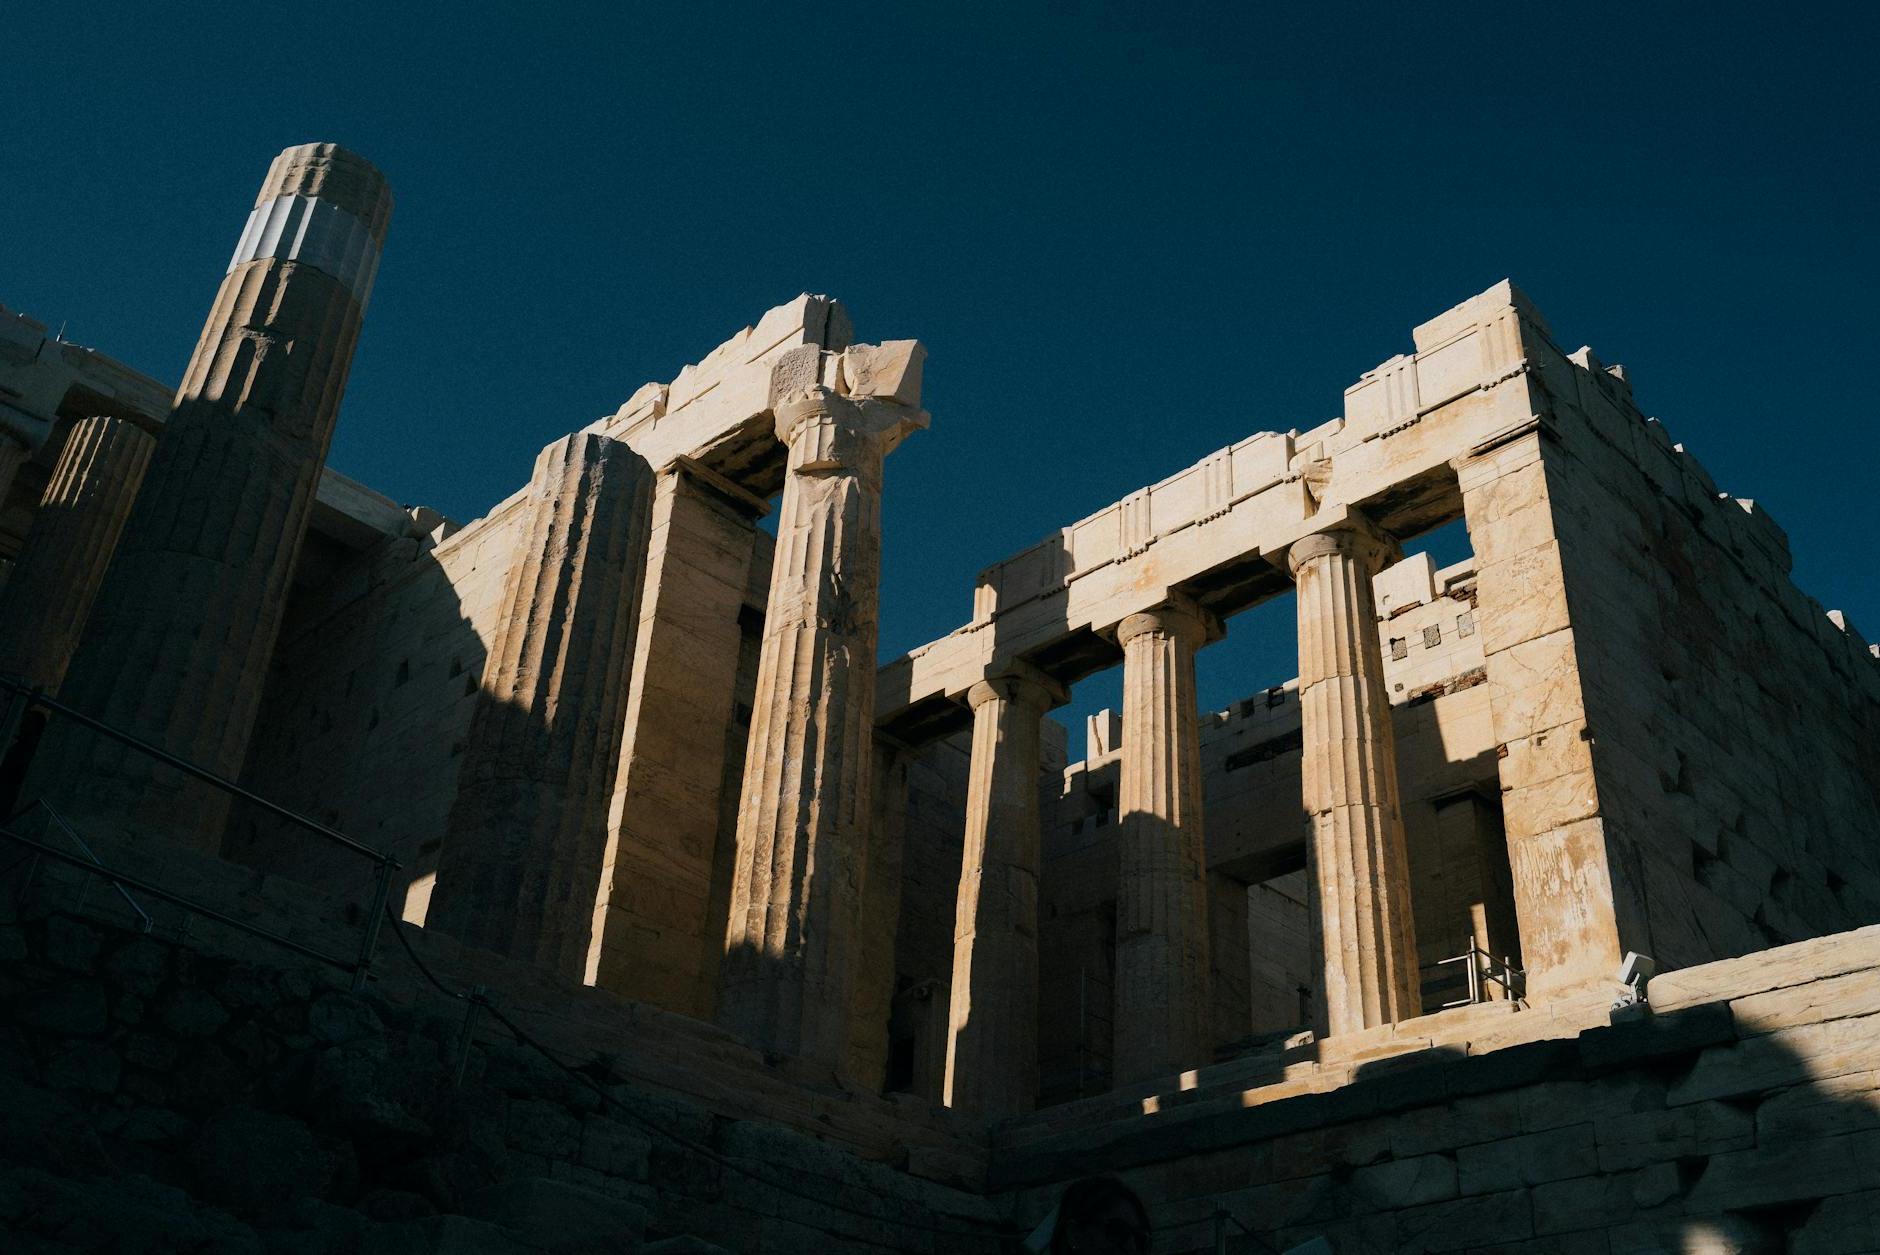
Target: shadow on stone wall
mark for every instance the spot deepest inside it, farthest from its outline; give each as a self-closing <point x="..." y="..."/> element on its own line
<point x="160" y="1096"/>
<point x="1684" y="1131"/>
<point x="362" y="726"/>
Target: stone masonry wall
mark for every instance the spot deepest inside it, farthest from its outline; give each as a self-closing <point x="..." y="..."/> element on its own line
<point x="1735" y="727"/>
<point x="197" y="1092"/>
<point x="1740" y="1114"/>
<point x="201" y="1090"/>
<point x="369" y="699"/>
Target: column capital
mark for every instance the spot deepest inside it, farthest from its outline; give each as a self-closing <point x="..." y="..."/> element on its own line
<point x="836" y="424"/>
<point x="1178" y="616"/>
<point x="1354" y="536"/>
<point x="1019" y="682"/>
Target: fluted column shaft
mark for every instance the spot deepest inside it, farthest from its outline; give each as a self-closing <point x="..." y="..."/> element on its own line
<point x="1360" y="866"/>
<point x="1163" y="1022"/>
<point x="180" y="636"/>
<point x="804" y="805"/>
<point x="992" y="1023"/>
<point x="524" y="847"/>
<point x="56" y="576"/>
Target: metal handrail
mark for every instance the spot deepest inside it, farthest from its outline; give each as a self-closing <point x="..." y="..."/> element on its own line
<point x="360" y="968"/>
<point x="158" y="891"/>
<point x="1480" y="967"/>
<point x="149" y="925"/>
<point x="39" y="697"/>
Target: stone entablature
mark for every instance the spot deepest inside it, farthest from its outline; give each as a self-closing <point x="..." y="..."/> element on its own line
<point x="1198" y="531"/>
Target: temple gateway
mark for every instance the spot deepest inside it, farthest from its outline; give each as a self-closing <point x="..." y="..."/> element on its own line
<point x="591" y="881"/>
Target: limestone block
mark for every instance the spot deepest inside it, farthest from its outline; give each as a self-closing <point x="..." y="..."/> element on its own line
<point x="1532" y="1159"/>
<point x="1793" y="1056"/>
<point x="1503" y="1220"/>
<point x="1777" y="968"/>
<point x="1527" y="597"/>
<point x="1471" y="313"/>
<point x="1762" y="1176"/>
<point x="1534" y="687"/>
<point x="1564" y="900"/>
<point x="1826" y="1108"/>
<point x="1407" y="1182"/>
<point x="1631" y="1140"/>
<point x="1404" y="584"/>
<point x="1835" y="998"/>
<point x="1597" y="1202"/>
<point x="890" y="371"/>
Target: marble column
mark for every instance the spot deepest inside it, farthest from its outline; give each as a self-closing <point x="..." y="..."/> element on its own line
<point x="1360" y="866"/>
<point x="803" y="816"/>
<point x="522" y="858"/>
<point x="56" y="576"/>
<point x="1163" y="1020"/>
<point x="180" y="636"/>
<point x="992" y="1021"/>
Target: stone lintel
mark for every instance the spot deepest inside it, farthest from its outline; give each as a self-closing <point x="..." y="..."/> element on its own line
<point x="743" y="499"/>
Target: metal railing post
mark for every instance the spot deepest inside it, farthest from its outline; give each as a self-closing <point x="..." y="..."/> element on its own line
<point x="467" y="1032"/>
<point x="375" y="919"/>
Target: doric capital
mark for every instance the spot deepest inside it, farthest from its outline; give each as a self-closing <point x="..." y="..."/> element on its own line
<point x="1354" y="537"/>
<point x="1022" y="683"/>
<point x="1178" y="617"/>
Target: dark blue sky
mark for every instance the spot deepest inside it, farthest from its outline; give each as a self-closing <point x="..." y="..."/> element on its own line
<point x="1128" y="238"/>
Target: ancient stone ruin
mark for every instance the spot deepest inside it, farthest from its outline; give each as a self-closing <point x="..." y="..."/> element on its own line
<point x="574" y="878"/>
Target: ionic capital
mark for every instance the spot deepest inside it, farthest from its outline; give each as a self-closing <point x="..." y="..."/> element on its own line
<point x="1354" y="537"/>
<point x="1179" y="617"/>
<point x="828" y="431"/>
<point x="1021" y="683"/>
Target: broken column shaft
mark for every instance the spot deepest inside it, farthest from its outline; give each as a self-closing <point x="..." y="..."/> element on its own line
<point x="180" y="636"/>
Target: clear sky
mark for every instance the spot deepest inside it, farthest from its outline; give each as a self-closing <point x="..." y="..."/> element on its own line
<point x="1129" y="234"/>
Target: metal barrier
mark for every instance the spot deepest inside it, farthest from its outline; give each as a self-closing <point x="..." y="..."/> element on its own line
<point x="22" y="698"/>
<point x="1479" y="970"/>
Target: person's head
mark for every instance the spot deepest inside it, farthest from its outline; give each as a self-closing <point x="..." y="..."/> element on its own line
<point x="1100" y="1216"/>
